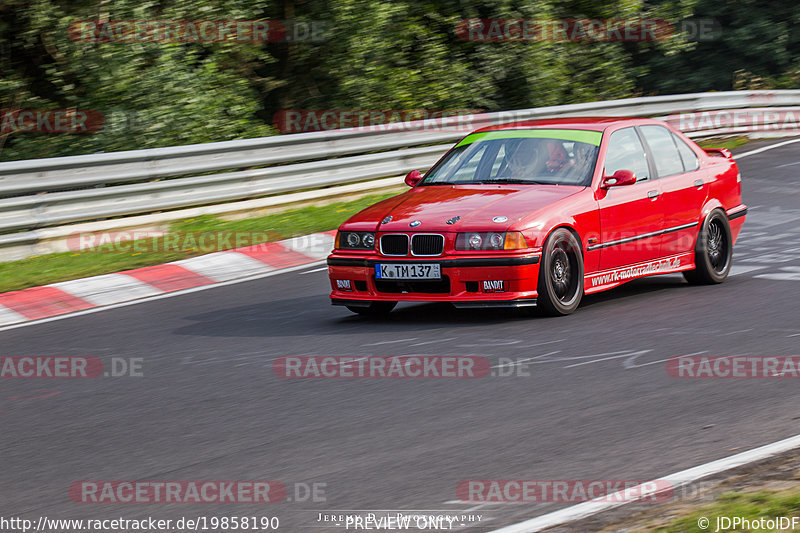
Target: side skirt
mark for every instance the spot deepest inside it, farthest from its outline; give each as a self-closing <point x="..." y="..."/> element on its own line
<point x="607" y="279"/>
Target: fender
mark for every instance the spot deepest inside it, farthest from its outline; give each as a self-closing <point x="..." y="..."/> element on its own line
<point x="710" y="205"/>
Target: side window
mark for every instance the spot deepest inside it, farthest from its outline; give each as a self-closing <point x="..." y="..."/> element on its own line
<point x="625" y="152"/>
<point x="468" y="168"/>
<point x="665" y="153"/>
<point x="687" y="154"/>
<point x="462" y="165"/>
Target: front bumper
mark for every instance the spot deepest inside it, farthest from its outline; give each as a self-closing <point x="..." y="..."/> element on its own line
<point x="462" y="281"/>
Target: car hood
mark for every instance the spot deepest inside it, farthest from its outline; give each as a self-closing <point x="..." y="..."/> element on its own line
<point x="480" y="207"/>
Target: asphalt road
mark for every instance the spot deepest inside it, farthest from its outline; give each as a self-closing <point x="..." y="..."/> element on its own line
<point x="592" y="401"/>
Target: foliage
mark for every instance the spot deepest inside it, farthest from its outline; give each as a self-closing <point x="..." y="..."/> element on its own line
<point x="372" y="55"/>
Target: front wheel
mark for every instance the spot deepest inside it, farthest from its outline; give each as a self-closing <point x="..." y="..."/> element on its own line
<point x="374" y="309"/>
<point x="713" y="252"/>
<point x="560" y="285"/>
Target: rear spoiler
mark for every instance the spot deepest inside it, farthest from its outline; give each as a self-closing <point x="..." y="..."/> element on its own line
<point x="719" y="152"/>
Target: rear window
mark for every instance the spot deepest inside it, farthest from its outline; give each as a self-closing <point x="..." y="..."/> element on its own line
<point x="662" y="147"/>
<point x="688" y="156"/>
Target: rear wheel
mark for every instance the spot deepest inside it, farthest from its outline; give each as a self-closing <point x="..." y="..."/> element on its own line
<point x="713" y="252"/>
<point x="560" y="285"/>
<point x="374" y="309"/>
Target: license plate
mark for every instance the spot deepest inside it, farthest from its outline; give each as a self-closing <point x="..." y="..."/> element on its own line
<point x="408" y="271"/>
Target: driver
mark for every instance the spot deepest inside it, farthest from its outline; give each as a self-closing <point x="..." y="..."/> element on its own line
<point x="524" y="160"/>
<point x="557" y="157"/>
<point x="574" y="169"/>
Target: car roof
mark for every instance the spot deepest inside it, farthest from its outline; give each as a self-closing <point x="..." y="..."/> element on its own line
<point x="578" y="123"/>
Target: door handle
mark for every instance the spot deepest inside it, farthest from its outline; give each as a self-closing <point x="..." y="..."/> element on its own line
<point x="652" y="194"/>
<point x="698" y="183"/>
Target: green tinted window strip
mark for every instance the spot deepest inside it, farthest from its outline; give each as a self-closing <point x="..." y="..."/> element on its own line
<point x="582" y="136"/>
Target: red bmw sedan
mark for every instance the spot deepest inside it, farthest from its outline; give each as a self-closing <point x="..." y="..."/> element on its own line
<point x="539" y="214"/>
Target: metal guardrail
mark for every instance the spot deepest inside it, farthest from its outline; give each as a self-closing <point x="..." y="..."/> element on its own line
<point x="43" y="193"/>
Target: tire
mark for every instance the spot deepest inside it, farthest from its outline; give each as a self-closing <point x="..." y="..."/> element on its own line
<point x="713" y="252"/>
<point x="375" y="309"/>
<point x="560" y="285"/>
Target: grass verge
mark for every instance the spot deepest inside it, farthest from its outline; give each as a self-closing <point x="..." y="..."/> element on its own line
<point x="105" y="259"/>
<point x="728" y="142"/>
<point x="750" y="506"/>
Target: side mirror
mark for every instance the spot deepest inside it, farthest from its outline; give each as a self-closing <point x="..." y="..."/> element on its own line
<point x="620" y="177"/>
<point x="413" y="177"/>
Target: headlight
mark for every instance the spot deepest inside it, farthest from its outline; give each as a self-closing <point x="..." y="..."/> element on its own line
<point x="355" y="240"/>
<point x="495" y="240"/>
<point x="475" y="241"/>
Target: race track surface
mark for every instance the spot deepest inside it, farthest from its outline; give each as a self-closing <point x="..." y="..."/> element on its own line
<point x="592" y="400"/>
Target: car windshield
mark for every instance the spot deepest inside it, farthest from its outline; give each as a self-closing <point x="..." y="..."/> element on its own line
<point x="536" y="156"/>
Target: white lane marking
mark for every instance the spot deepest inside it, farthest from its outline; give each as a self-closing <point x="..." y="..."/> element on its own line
<point x="9" y="316"/>
<point x="789" y="164"/>
<point x="634" y="354"/>
<point x="476" y="507"/>
<point x="523" y="361"/>
<point x="735" y="332"/>
<point x="736" y="270"/>
<point x="224" y="266"/>
<point x="545" y="342"/>
<point x="488" y="345"/>
<point x="433" y="342"/>
<point x="107" y="289"/>
<point x="789" y="274"/>
<point x="562" y="359"/>
<point x="390" y="342"/>
<point x="675" y="481"/>
<point x="157" y="297"/>
<point x="629" y="363"/>
<point x="507" y="343"/>
<point x="352" y="361"/>
<point x="315" y="270"/>
<point x="765" y="148"/>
